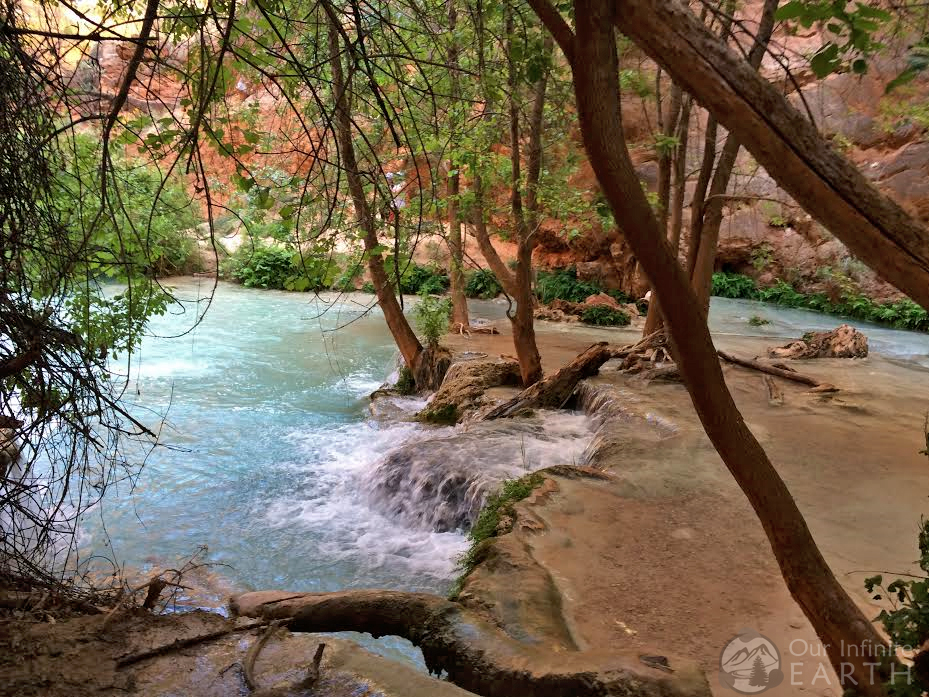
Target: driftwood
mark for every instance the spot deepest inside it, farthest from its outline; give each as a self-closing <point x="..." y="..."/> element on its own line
<point x="179" y="644"/>
<point x="778" y="372"/>
<point x="775" y="394"/>
<point x="554" y="391"/>
<point x="476" y="653"/>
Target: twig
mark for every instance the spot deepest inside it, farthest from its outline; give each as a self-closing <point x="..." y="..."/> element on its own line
<point x="179" y="644"/>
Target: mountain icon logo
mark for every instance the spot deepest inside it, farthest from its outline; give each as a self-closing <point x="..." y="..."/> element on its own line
<point x="750" y="663"/>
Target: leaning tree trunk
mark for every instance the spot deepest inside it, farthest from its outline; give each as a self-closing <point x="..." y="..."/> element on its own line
<point x="784" y="142"/>
<point x="410" y="348"/>
<point x="836" y="618"/>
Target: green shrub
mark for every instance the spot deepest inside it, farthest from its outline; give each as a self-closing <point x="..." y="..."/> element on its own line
<point x="733" y="285"/>
<point x="902" y="314"/>
<point x="483" y="284"/>
<point x="486" y="526"/>
<point x="563" y="285"/>
<point x="757" y="321"/>
<point x="279" y="268"/>
<point x="150" y="226"/>
<point x="431" y="315"/>
<point x="368" y="287"/>
<point x="604" y="316"/>
<point x="416" y="279"/>
<point x="345" y="283"/>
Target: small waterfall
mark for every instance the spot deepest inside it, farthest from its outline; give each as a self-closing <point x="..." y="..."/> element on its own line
<point x="440" y="482"/>
<point x="616" y="413"/>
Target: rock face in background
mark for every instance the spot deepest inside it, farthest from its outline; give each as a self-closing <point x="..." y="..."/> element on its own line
<point x="842" y="342"/>
<point x="764" y="235"/>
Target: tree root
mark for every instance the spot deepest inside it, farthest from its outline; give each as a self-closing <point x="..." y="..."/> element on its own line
<point x="248" y="666"/>
<point x="474" y="651"/>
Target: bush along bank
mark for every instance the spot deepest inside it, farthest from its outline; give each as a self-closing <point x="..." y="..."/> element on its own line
<point x="901" y="314"/>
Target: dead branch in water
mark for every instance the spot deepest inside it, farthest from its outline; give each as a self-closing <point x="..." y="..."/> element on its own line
<point x="554" y="391"/>
<point x="778" y="372"/>
<point x="477" y="654"/>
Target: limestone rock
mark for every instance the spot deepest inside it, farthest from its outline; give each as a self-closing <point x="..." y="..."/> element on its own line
<point x="462" y="390"/>
<point x="842" y="342"/>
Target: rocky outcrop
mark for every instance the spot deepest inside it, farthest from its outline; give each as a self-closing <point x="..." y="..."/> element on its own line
<point x="463" y="389"/>
<point x="842" y="342"/>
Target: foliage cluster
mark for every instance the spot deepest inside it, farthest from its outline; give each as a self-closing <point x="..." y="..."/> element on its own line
<point x="604" y="316"/>
<point x="416" y="279"/>
<point x="486" y="526"/>
<point x="151" y="223"/>
<point x="563" y="284"/>
<point x="902" y="314"/>
<point x="483" y="284"/>
<point x="907" y="620"/>
<point x="261" y="265"/>
<point x="431" y="315"/>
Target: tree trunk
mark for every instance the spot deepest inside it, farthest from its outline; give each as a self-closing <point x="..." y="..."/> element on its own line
<point x="526" y="219"/>
<point x="711" y="208"/>
<point x="554" y="391"/>
<point x="455" y="245"/>
<point x="787" y="145"/>
<point x="400" y="329"/>
<point x="592" y="52"/>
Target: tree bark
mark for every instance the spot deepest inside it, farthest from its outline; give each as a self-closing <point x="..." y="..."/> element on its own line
<point x="554" y="391"/>
<point x="787" y="145"/>
<point x="455" y="245"/>
<point x="832" y="612"/>
<point x="400" y="329"/>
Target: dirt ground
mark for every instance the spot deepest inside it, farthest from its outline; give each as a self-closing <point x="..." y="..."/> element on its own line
<point x="668" y="556"/>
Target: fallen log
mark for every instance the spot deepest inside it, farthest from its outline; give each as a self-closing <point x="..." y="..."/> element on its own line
<point x="554" y="391"/>
<point x="474" y="651"/>
<point x="778" y="372"/>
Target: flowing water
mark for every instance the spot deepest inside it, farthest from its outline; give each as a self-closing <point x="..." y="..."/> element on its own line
<point x="271" y="456"/>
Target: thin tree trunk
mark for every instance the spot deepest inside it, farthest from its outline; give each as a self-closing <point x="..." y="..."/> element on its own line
<point x="712" y="205"/>
<point x="400" y="329"/>
<point x="481" y="234"/>
<point x="455" y="244"/>
<point x="526" y="219"/>
<point x="671" y="191"/>
<point x="811" y="582"/>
